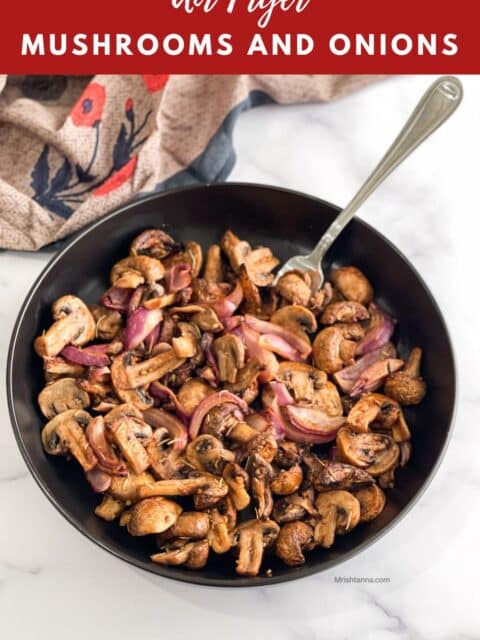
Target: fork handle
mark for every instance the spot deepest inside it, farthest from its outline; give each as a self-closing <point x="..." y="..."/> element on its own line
<point x="438" y="103"/>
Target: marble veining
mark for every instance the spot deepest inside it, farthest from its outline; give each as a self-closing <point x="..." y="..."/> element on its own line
<point x="54" y="583"/>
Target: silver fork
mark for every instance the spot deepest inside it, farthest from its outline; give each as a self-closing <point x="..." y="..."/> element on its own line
<point x="438" y="104"/>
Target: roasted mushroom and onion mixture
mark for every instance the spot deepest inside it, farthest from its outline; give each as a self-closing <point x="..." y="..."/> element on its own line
<point x="219" y="412"/>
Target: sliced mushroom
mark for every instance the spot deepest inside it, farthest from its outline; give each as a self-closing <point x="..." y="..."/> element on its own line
<point x="261" y="474"/>
<point x="374" y="452"/>
<point x="207" y="320"/>
<point x="246" y="377"/>
<point x="108" y="460"/>
<point x="227" y="509"/>
<point x="154" y="243"/>
<point x="251" y="538"/>
<point x="301" y="379"/>
<point x="400" y="430"/>
<point x="370" y="407"/>
<point x="293" y="539"/>
<point x="263" y="444"/>
<point x="187" y="345"/>
<point x="230" y="355"/>
<point x="57" y="367"/>
<point x="288" y="454"/>
<point x="192" y="392"/>
<point x="109" y="508"/>
<point x="192" y="254"/>
<point x="338" y="513"/>
<point x="66" y="433"/>
<point x="122" y="411"/>
<point x="235" y="249"/>
<point x="143" y="373"/>
<point x="108" y="322"/>
<point x="194" y="555"/>
<point x="294" y="507"/>
<point x="287" y="481"/>
<point x="213" y="271"/>
<point x="328" y="400"/>
<point x="328" y="349"/>
<point x="133" y="271"/>
<point x="372" y="501"/>
<point x="124" y="435"/>
<point x="62" y="395"/>
<point x="125" y="488"/>
<point x="406" y="386"/>
<point x="138" y="396"/>
<point x="252" y="301"/>
<point x="237" y="480"/>
<point x="211" y="493"/>
<point x="325" y="475"/>
<point x="192" y="525"/>
<point x="293" y="288"/>
<point x="152" y="515"/>
<point x="296" y="318"/>
<point x="352" y="284"/>
<point x="74" y="324"/>
<point x="219" y="537"/>
<point x="207" y="453"/>
<point x="344" y="311"/>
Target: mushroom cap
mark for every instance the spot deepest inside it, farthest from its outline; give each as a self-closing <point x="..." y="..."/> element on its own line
<point x="326" y="349"/>
<point x="187" y="345"/>
<point x="296" y="318"/>
<point x="293" y="288"/>
<point x="345" y="506"/>
<point x="207" y="453"/>
<point x="301" y="379"/>
<point x="287" y="481"/>
<point x="344" y="311"/>
<point x="292" y="539"/>
<point x="352" y="284"/>
<point x="192" y="392"/>
<point x="153" y="515"/>
<point x="193" y="555"/>
<point x="133" y="271"/>
<point x="374" y="452"/>
<point x="193" y="525"/>
<point x="373" y="407"/>
<point x="372" y="501"/>
<point x="405" y="389"/>
<point x="230" y="354"/>
<point x="62" y="395"/>
<point x="154" y="243"/>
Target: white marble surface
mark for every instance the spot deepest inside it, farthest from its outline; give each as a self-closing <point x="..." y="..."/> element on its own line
<point x="56" y="584"/>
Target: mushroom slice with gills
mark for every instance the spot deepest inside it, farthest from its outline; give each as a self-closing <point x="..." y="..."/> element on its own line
<point x="293" y="539"/>
<point x="213" y="271"/>
<point x="386" y="480"/>
<point x="230" y="356"/>
<point x="293" y="288"/>
<point x="259" y="264"/>
<point x="65" y="433"/>
<point x="302" y="380"/>
<point x="133" y="271"/>
<point x="210" y="493"/>
<point x="293" y="507"/>
<point x="288" y="454"/>
<point x="136" y="396"/>
<point x="237" y="480"/>
<point x="261" y="474"/>
<point x="108" y="322"/>
<point x="184" y="486"/>
<point x="328" y="400"/>
<point x="406" y="386"/>
<point x="344" y="311"/>
<point x="194" y="555"/>
<point x="108" y="460"/>
<point x="352" y="284"/>
<point x="60" y="396"/>
<point x="338" y="513"/>
<point x="217" y="413"/>
<point x="207" y="320"/>
<point x="251" y="538"/>
<point x="109" y="508"/>
<point x="219" y="537"/>
<point x="154" y="243"/>
<point x="192" y="254"/>
<point x="152" y="515"/>
<point x="287" y="481"/>
<point x="235" y="249"/>
<point x="123" y="432"/>
<point x="147" y="371"/>
<point x="187" y="345"/>
<point x="264" y="445"/>
<point x="372" y="501"/>
<point x="332" y="348"/>
<point x="121" y="411"/>
<point x="252" y="300"/>
<point x="296" y="318"/>
<point x="192" y="525"/>
<point x="374" y="452"/>
<point x="324" y="475"/>
<point x="74" y="324"/>
<point x="207" y="453"/>
<point x="125" y="488"/>
<point x="373" y="407"/>
<point x="191" y="394"/>
<point x="246" y="376"/>
<point x="165" y="461"/>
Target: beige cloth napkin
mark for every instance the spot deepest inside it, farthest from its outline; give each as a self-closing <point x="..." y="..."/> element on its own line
<point x="74" y="148"/>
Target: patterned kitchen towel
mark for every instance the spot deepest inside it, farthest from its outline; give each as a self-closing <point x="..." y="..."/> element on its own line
<point x="74" y="148"/>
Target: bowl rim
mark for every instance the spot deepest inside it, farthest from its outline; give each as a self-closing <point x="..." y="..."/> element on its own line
<point x="303" y="571"/>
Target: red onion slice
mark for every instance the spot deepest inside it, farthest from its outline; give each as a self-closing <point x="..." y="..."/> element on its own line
<point x="314" y="421"/>
<point x="93" y="356"/>
<point x="374" y="375"/>
<point x="226" y="306"/>
<point x="161" y="391"/>
<point x="107" y="458"/>
<point x="117" y="298"/>
<point x="99" y="480"/>
<point x="178" y="277"/>
<point x="208" y="403"/>
<point x="346" y="378"/>
<point x="232" y="322"/>
<point x="160" y="419"/>
<point x="250" y="339"/>
<point x="263" y="327"/>
<point x="379" y="332"/>
<point x="280" y="346"/>
<point x="139" y="325"/>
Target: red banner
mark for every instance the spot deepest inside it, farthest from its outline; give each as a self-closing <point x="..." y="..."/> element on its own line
<point x="240" y="36"/>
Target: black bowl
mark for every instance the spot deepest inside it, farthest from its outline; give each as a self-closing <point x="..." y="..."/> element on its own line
<point x="289" y="223"/>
